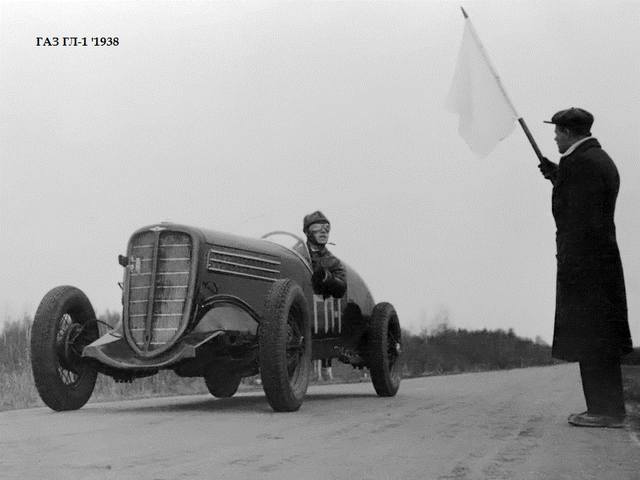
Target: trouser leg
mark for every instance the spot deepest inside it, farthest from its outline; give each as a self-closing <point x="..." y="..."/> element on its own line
<point x="602" y="386"/>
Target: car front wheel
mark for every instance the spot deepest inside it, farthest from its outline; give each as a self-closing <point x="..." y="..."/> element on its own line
<point x="284" y="338"/>
<point x="63" y="325"/>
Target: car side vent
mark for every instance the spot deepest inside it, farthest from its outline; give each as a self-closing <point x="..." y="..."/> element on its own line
<point x="243" y="264"/>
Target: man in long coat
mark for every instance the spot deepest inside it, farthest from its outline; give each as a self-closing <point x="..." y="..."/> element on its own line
<point x="591" y="325"/>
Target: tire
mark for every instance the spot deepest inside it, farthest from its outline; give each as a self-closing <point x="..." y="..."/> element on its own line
<point x="284" y="340"/>
<point x="222" y="385"/>
<point x="384" y="350"/>
<point x="63" y="325"/>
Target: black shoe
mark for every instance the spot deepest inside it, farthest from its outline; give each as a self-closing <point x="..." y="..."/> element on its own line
<point x="586" y="419"/>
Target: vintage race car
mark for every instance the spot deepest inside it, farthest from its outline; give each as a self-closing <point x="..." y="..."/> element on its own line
<point x="218" y="306"/>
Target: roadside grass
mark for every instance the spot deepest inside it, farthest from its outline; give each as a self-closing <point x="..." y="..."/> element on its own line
<point x="18" y="389"/>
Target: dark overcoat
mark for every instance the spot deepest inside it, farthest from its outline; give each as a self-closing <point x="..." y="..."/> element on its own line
<point x="591" y="306"/>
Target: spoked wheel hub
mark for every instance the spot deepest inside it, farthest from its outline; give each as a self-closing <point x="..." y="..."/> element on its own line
<point x="67" y="344"/>
<point x="295" y="343"/>
<point x="393" y="346"/>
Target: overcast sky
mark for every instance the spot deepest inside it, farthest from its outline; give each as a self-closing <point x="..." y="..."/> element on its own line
<point x="243" y="117"/>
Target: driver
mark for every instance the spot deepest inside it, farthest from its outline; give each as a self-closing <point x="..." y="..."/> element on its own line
<point x="329" y="278"/>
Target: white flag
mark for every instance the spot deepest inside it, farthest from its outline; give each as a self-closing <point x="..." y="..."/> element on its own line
<point x="486" y="114"/>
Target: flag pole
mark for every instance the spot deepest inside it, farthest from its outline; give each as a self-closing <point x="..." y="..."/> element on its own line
<point x="521" y="121"/>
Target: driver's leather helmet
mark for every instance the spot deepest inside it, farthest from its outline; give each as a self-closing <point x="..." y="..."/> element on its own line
<point x="315" y="217"/>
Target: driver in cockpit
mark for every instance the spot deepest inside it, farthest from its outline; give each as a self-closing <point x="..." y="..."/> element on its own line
<point x="329" y="277"/>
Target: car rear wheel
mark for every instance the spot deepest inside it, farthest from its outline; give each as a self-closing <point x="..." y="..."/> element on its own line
<point x="384" y="350"/>
<point x="284" y="338"/>
<point x="63" y="325"/>
<point x="222" y="385"/>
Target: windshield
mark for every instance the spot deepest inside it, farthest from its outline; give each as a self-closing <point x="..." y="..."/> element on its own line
<point x="292" y="242"/>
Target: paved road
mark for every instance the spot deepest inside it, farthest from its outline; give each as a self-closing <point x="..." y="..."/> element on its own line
<point x="495" y="425"/>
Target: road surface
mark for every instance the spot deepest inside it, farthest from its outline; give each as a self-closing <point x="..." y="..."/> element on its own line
<point x="493" y="425"/>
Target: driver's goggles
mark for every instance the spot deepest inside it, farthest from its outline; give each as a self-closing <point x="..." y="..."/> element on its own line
<point x="320" y="227"/>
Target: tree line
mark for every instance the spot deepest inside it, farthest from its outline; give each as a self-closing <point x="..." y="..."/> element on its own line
<point x="448" y="350"/>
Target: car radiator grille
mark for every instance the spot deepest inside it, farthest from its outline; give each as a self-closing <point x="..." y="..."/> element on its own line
<point x="158" y="288"/>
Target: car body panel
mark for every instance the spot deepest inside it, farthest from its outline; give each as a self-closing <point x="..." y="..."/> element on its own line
<point x="190" y="294"/>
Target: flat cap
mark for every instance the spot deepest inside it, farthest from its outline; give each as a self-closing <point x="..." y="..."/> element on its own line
<point x="573" y="118"/>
